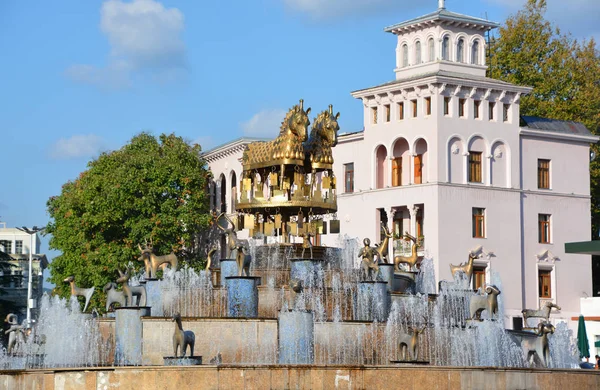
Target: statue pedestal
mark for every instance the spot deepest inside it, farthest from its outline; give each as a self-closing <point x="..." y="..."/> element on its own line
<point x="309" y="271"/>
<point x="242" y="296"/>
<point x="154" y="297"/>
<point x="373" y="301"/>
<point x="228" y="268"/>
<point x="296" y="337"/>
<point x="404" y="282"/>
<point x="182" y="361"/>
<point x="386" y="274"/>
<point x="128" y="335"/>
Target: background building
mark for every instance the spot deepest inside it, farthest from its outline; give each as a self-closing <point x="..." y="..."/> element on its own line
<point x="446" y="156"/>
<point x="16" y="244"/>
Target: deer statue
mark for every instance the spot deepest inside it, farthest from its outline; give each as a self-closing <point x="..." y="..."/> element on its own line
<point x="367" y="253"/>
<point x="539" y="346"/>
<point x="182" y="339"/>
<point x="80" y="292"/>
<point x="543" y="312"/>
<point x="466" y="268"/>
<point x="410" y="342"/>
<point x="211" y="253"/>
<point x="113" y="295"/>
<point x="382" y="248"/>
<point x="131" y="291"/>
<point x="152" y="262"/>
<point x="411" y="260"/>
<point x="488" y="302"/>
<point x="306" y="243"/>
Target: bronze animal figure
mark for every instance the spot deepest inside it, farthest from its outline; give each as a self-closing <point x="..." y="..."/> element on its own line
<point x="317" y="148"/>
<point x="382" y="248"/>
<point x="466" y="268"/>
<point x="411" y="260"/>
<point x="182" y="339"/>
<point x="539" y="346"/>
<point x="306" y="243"/>
<point x="15" y="332"/>
<point x="131" y="291"/>
<point x="113" y="295"/>
<point x="410" y="342"/>
<point x="543" y="312"/>
<point x="152" y="262"/>
<point x="80" y="292"/>
<point x="239" y="246"/>
<point x="211" y="253"/>
<point x="488" y="302"/>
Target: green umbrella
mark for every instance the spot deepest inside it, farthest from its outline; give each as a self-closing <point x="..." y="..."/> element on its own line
<point x="582" y="340"/>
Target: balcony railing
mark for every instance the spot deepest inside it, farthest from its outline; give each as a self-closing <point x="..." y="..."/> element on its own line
<point x="404" y="248"/>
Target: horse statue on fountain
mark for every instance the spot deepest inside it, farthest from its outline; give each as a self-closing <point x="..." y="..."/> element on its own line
<point x="323" y="137"/>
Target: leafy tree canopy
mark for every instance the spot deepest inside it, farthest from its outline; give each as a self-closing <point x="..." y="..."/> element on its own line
<point x="149" y="189"/>
<point x="564" y="73"/>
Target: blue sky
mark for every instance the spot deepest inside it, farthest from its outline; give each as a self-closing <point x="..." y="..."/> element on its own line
<point x="81" y="77"/>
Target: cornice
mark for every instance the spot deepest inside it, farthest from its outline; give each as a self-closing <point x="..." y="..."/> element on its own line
<point x="559" y="136"/>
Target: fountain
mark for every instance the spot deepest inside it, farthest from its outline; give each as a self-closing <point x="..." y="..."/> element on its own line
<point x="277" y="300"/>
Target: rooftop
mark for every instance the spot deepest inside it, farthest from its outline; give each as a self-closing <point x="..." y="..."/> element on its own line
<point x="442" y="16"/>
<point x="554" y="125"/>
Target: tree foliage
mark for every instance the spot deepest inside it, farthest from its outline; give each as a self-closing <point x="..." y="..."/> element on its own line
<point x="564" y="73"/>
<point x="151" y="189"/>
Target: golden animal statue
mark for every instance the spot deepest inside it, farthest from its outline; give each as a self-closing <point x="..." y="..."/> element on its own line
<point x="211" y="253"/>
<point x="152" y="262"/>
<point x="80" y="292"/>
<point x="538" y="347"/>
<point x="411" y="260"/>
<point x="382" y="248"/>
<point x="367" y="253"/>
<point x="466" y="268"/>
<point x="306" y="243"/>
<point x="409" y="342"/>
<point x="543" y="312"/>
<point x="286" y="149"/>
<point x="323" y="137"/>
<point x="488" y="302"/>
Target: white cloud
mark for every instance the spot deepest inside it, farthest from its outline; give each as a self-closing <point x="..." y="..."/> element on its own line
<point x="144" y="36"/>
<point x="328" y="9"/>
<point x="77" y="146"/>
<point x="265" y="123"/>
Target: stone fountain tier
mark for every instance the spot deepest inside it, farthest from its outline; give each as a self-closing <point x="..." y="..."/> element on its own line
<point x="296" y="337"/>
<point x="386" y="274"/>
<point x="373" y="301"/>
<point x="242" y="296"/>
<point x="404" y="282"/>
<point x="277" y="256"/>
<point x="309" y="271"/>
<point x="228" y="268"/>
<point x="129" y="335"/>
<point x="182" y="361"/>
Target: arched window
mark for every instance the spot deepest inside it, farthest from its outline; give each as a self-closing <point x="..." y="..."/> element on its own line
<point x="446" y="48"/>
<point x="475" y="53"/>
<point x="418" y="52"/>
<point x="431" y="50"/>
<point x="404" y="55"/>
<point x="460" y="51"/>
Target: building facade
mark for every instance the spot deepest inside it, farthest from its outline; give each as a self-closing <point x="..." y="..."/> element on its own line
<point x="17" y="244"/>
<point x="446" y="156"/>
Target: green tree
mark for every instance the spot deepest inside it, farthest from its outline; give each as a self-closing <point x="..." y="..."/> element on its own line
<point x="564" y="73"/>
<point x="151" y="189"/>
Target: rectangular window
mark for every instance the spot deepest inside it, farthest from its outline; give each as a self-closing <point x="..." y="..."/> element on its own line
<point x="349" y="177"/>
<point x="419" y="169"/>
<point x="461" y="107"/>
<point x="544" y="228"/>
<point x="478" y="222"/>
<point x="427" y="106"/>
<point x="387" y="113"/>
<point x="415" y="108"/>
<point x="476" y="107"/>
<point x="6" y="246"/>
<point x="398" y="225"/>
<point x="374" y="114"/>
<point x="492" y="107"/>
<point x="397" y="171"/>
<point x="478" y="277"/>
<point x="544" y="287"/>
<point x="401" y="111"/>
<point x="446" y="106"/>
<point x="505" y="110"/>
<point x="419" y="223"/>
<point x="475" y="167"/>
<point x="517" y="323"/>
<point x="19" y="247"/>
<point x="543" y="174"/>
